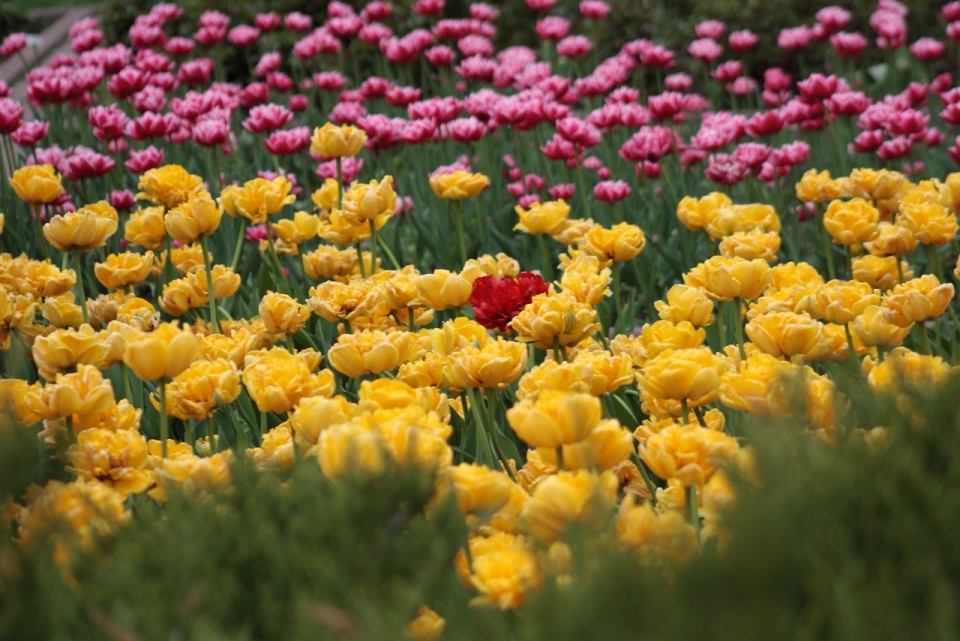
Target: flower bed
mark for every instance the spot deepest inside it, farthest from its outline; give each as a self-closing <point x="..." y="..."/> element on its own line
<point x="537" y="303"/>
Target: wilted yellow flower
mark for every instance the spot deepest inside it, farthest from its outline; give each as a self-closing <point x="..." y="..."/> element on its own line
<point x="568" y="498"/>
<point x="880" y="272"/>
<point x="916" y="300"/>
<point x="145" y="228"/>
<point x="337" y="141"/>
<point x="691" y="375"/>
<point x="370" y="352"/>
<point x="197" y="216"/>
<point x="373" y="201"/>
<point x="302" y="228"/>
<point x="427" y="625"/>
<point x="742" y="218"/>
<point x="62" y="311"/>
<point x="932" y="224"/>
<point x="657" y="536"/>
<point x="37" y="184"/>
<point x="163" y="353"/>
<point x="554" y="418"/>
<point x="121" y="270"/>
<point x="788" y="334"/>
<point x="443" y="289"/>
<point x="818" y="187"/>
<point x="276" y="380"/>
<point x="873" y="330"/>
<point x="695" y="213"/>
<point x="504" y="570"/>
<point x="118" y="459"/>
<point x="497" y="364"/>
<point x="169" y="186"/>
<point x="892" y="240"/>
<point x="751" y="245"/>
<point x="620" y="243"/>
<point x="82" y="394"/>
<point x="543" y="218"/>
<point x="198" y="391"/>
<point x="257" y="199"/>
<point x="458" y="185"/>
<point x="555" y="316"/>
<point x="724" y="279"/>
<point x="80" y="230"/>
<point x="851" y="222"/>
<point x="64" y="349"/>
<point x="685" y="303"/>
<point x="840" y="301"/>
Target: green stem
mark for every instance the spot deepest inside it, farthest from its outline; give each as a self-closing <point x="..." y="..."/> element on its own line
<point x="340" y="183"/>
<point x="491" y="397"/>
<point x="825" y="239"/>
<point x="484" y="455"/>
<point x="386" y="250"/>
<point x="685" y="411"/>
<point x="239" y="248"/>
<point x="164" y="428"/>
<point x="693" y="514"/>
<point x="556" y="349"/>
<point x="127" y="393"/>
<point x="373" y="247"/>
<point x="363" y="268"/>
<point x="559" y="454"/>
<point x="214" y="319"/>
<point x="276" y="261"/>
<point x="738" y="322"/>
<point x="849" y="255"/>
<point x="934" y="252"/>
<point x="463" y="242"/>
<point x="617" y="303"/>
<point x="924" y="339"/>
<point x="651" y="486"/>
<point x="720" y="328"/>
<point x="263" y="424"/>
<point x="698" y="412"/>
<point x="545" y="258"/>
<point x="899" y="271"/>
<point x="43" y="239"/>
<point x="210" y="435"/>
<point x="83" y="297"/>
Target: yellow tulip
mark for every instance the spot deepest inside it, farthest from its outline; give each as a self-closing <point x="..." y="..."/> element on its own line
<point x="916" y="300"/>
<point x="504" y="571"/>
<point x="724" y="279"/>
<point x="691" y="375"/>
<point x="873" y="330"/>
<point x="732" y="219"/>
<point x="145" y="228"/>
<point x="543" y="218"/>
<point x="373" y="201"/>
<point x="62" y="311"/>
<point x="695" y="213"/>
<point x="337" y="141"/>
<point x="80" y="230"/>
<point x="162" y="353"/>
<point x="841" y="301"/>
<point x="788" y="334"/>
<point x="818" y="187"/>
<point x="458" y="185"/>
<point x="751" y="245"/>
<point x="122" y="270"/>
<point x="198" y="391"/>
<point x="370" y="352"/>
<point x="65" y="349"/>
<point x="851" y="222"/>
<point x="81" y="395"/>
<point x="892" y="240"/>
<point x="657" y="536"/>
<point x="302" y="228"/>
<point x="170" y="186"/>
<point x="282" y="314"/>
<point x="327" y="198"/>
<point x="328" y="262"/>
<point x="685" y="303"/>
<point x="443" y="289"/>
<point x="689" y="454"/>
<point x="569" y="498"/>
<point x="880" y="272"/>
<point x="606" y="446"/>
<point x="555" y="317"/>
<point x="277" y="380"/>
<point x="620" y="243"/>
<point x="117" y="459"/>
<point x="257" y="199"/>
<point x="198" y="216"/>
<point x="497" y="364"/>
<point x="554" y="418"/>
<point x="931" y="223"/>
<point x="37" y="184"/>
<point x="477" y="488"/>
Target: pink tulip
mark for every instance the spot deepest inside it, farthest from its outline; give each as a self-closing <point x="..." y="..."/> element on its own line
<point x="243" y="35"/>
<point x="705" y="49"/>
<point x="727" y="72"/>
<point x="211" y="132"/>
<point x="344" y="27"/>
<point x="126" y="83"/>
<point x="724" y="170"/>
<point x="574" y="47"/>
<point x="347" y="113"/>
<point x="650" y="143"/>
<point x="86" y="41"/>
<point x="483" y="11"/>
<point x="151" y="125"/>
<point x="679" y="82"/>
<point x="794" y="38"/>
<point x="648" y="169"/>
<point x="298" y="102"/>
<point x="941" y="83"/>
<point x="267" y="118"/>
<point x="611" y="191"/>
<point x="286" y="142"/>
<point x="279" y="81"/>
<point x="743" y="40"/>
<point x="527" y="201"/>
<point x="665" y="106"/>
<point x="552" y="28"/>
<point x="149" y="99"/>
<point x="440" y="56"/>
<point x="477" y="68"/>
<point x="110" y="122"/>
<point x="374" y="32"/>
<point x="30" y="133"/>
<point x="663" y="58"/>
<point x="179" y="47"/>
<point x="141" y="161"/>
<point x="428" y="7"/>
<point x="833" y="19"/>
<point x="594" y="9"/>
<point x="350" y="166"/>
<point x="86" y="163"/>
<point x="558" y="148"/>
<point x="256" y="93"/>
<point x="541" y="5"/>
<point x="742" y="86"/>
<point x="562" y="191"/>
<point x="578" y="132"/>
<point x="751" y="154"/>
<point x="377" y="10"/>
<point x="297" y="21"/>
<point x="848" y="103"/>
<point x="121" y="200"/>
<point x="927" y="49"/>
<point x="817" y="88"/>
<point x="765" y="124"/>
<point x="895" y="148"/>
<point x="267" y="21"/>
<point x="329" y="80"/>
<point x="11" y="113"/>
<point x="710" y="29"/>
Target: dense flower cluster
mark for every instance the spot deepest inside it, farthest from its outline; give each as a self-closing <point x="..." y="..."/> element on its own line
<point x="364" y="324"/>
